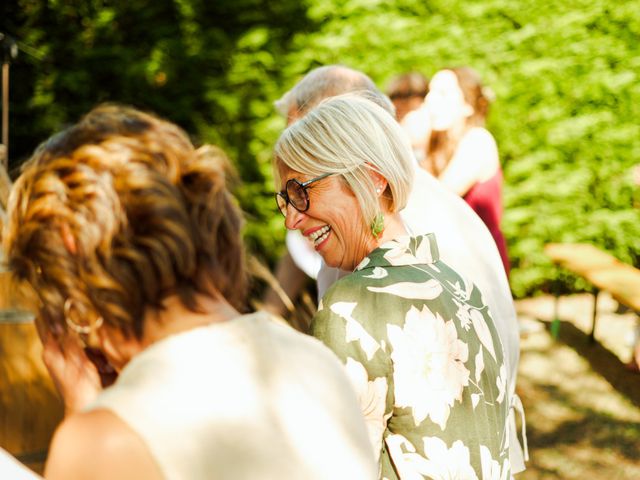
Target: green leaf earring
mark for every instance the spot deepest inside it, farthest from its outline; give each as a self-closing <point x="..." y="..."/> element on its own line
<point x="377" y="225"/>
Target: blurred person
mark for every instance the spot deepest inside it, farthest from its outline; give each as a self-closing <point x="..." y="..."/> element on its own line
<point x="461" y="153"/>
<point x="131" y="246"/>
<point x="416" y="337"/>
<point x="463" y="240"/>
<point x="407" y="92"/>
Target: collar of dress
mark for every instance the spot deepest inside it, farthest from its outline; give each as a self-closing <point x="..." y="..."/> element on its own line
<point x="400" y="251"/>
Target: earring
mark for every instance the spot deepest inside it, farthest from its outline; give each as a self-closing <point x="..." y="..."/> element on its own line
<point x="377" y="225"/>
<point x="79" y="329"/>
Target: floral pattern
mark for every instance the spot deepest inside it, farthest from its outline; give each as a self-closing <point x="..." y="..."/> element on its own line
<point x="421" y="349"/>
<point x="372" y="396"/>
<point x="429" y="372"/>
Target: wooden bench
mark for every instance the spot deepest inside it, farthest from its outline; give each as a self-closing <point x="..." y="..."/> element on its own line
<point x="602" y="270"/>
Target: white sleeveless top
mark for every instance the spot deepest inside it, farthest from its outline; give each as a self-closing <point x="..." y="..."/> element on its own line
<point x="244" y="399"/>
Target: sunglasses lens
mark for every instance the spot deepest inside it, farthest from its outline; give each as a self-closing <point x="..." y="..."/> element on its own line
<point x="297" y="196"/>
<point x="282" y="204"/>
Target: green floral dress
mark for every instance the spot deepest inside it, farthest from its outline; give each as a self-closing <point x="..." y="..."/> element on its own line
<point x="420" y="346"/>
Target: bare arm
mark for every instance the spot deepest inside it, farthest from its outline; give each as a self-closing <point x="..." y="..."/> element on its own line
<point x="97" y="445"/>
<point x="475" y="160"/>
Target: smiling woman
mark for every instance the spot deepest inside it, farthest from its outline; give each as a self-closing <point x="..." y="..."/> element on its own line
<point x="367" y="189"/>
<point x="416" y="338"/>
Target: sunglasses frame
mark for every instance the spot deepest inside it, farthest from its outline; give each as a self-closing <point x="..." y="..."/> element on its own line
<point x="304" y="185"/>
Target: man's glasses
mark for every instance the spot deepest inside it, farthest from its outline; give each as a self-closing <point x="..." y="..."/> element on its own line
<point x="295" y="194"/>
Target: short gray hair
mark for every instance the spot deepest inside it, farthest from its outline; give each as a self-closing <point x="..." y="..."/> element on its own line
<point x="350" y="135"/>
<point x="329" y="81"/>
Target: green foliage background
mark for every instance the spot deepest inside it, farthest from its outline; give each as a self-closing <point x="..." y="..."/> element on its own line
<point x="565" y="76"/>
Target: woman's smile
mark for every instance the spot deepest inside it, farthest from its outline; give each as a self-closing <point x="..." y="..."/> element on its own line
<point x="318" y="236"/>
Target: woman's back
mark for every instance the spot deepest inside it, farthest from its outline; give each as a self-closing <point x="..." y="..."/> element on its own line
<point x="419" y="341"/>
<point x="244" y="399"/>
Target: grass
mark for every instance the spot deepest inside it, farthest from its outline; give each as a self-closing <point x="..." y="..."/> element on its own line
<point x="582" y="406"/>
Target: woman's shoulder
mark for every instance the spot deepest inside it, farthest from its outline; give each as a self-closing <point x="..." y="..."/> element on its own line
<point x="478" y="152"/>
<point x="96" y="445"/>
<point x="352" y="285"/>
<point x="478" y="137"/>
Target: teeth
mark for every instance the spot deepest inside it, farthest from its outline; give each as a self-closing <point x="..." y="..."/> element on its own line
<point x="319" y="236"/>
<point x="321" y="239"/>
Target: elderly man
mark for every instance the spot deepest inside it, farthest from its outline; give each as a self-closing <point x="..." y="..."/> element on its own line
<point x="464" y="241"/>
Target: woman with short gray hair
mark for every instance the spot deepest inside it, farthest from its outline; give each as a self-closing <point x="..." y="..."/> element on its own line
<point x="416" y="338"/>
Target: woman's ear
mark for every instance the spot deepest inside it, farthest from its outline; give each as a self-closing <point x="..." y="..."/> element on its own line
<point x="379" y="182"/>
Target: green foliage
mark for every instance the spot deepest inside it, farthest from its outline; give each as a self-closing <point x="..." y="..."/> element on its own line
<point x="211" y="67"/>
<point x="566" y="80"/>
<point x="565" y="77"/>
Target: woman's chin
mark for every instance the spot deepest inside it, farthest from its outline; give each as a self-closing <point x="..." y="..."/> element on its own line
<point x="329" y="262"/>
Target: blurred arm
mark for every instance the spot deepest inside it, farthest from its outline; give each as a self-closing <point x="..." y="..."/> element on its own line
<point x="291" y="280"/>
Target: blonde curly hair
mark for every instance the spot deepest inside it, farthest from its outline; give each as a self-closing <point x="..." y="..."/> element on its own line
<point x="120" y="211"/>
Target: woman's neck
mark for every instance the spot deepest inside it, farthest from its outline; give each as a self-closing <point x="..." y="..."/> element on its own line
<point x="175" y="318"/>
<point x="393" y="228"/>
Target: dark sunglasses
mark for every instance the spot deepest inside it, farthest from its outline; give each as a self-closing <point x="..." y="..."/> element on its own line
<point x="295" y="194"/>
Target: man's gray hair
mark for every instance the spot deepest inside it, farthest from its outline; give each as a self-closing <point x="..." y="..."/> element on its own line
<point x="329" y="81"/>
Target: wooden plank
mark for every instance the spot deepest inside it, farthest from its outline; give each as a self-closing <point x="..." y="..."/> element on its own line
<point x="30" y="408"/>
<point x="579" y="257"/>
<point x="5" y="188"/>
<point x="601" y="269"/>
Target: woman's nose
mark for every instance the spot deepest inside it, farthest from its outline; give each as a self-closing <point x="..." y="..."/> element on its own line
<point x="293" y="218"/>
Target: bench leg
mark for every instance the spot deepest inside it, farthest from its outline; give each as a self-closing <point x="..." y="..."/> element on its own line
<point x="592" y="335"/>
<point x="555" y="321"/>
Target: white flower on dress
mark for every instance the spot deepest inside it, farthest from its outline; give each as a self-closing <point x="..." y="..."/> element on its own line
<point x="401" y="461"/>
<point x="491" y="469"/>
<point x="483" y="332"/>
<point x="463" y="314"/>
<point x="439" y="462"/>
<point x="501" y="382"/>
<point x="378" y="273"/>
<point x="373" y="401"/>
<point x="354" y="330"/>
<point x="365" y="261"/>
<point x="399" y="253"/>
<point x="429" y="373"/>
<point x="479" y="365"/>
<point x="416" y="291"/>
<point x="460" y="292"/>
<point x="423" y="252"/>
